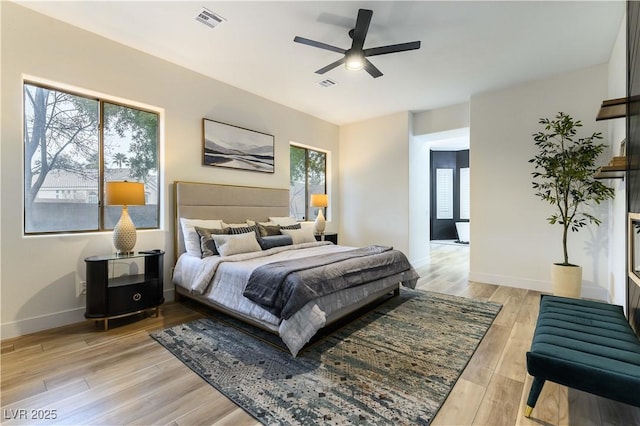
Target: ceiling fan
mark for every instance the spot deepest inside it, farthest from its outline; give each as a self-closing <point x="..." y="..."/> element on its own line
<point x="355" y="58"/>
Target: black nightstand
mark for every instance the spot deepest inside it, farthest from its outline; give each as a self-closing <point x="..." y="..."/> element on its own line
<point x="331" y="236"/>
<point x="109" y="298"/>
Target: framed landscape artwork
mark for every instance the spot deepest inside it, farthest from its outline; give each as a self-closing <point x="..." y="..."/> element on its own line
<point x="233" y="147"/>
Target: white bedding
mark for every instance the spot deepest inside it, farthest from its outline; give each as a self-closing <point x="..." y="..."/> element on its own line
<point x="222" y="279"/>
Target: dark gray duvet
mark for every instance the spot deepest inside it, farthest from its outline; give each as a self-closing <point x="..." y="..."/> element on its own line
<point x="284" y="287"/>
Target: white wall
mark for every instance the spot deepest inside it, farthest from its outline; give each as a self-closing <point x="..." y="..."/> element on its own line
<point x="512" y="242"/>
<point x="617" y="244"/>
<point x="441" y="120"/>
<point x="38" y="274"/>
<point x="374" y="176"/>
<point x="419" y="209"/>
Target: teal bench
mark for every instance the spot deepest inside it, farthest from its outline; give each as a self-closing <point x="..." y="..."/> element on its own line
<point x="585" y="345"/>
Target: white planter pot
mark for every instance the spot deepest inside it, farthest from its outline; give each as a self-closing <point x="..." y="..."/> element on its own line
<point x="566" y="280"/>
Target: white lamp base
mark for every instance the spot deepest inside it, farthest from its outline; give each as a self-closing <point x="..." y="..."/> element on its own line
<point x="124" y="234"/>
<point x="320" y="222"/>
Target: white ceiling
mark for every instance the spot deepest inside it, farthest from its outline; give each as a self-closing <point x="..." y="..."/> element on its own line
<point x="467" y="47"/>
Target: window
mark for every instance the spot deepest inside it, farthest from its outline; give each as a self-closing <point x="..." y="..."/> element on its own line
<point x="308" y="169"/>
<point x="69" y="156"/>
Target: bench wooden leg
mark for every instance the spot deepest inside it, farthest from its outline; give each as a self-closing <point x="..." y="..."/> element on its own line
<point x="534" y="393"/>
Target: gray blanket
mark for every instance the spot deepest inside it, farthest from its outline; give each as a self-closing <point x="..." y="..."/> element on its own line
<point x="283" y="288"/>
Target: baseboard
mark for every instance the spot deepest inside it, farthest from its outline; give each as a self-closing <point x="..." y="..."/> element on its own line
<point x="58" y="319"/>
<point x="507" y="281"/>
<point x="169" y="294"/>
<point x="42" y="322"/>
<point x="589" y="290"/>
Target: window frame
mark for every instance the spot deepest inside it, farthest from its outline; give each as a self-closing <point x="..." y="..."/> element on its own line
<point x="101" y="100"/>
<point x="307" y="149"/>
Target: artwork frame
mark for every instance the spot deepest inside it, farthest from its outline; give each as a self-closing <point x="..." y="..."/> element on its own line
<point x="233" y="147"/>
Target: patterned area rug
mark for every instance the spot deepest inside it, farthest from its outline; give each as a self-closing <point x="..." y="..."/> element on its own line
<point x="396" y="364"/>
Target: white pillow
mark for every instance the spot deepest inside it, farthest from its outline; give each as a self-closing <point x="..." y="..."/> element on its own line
<point x="191" y="237"/>
<point x="300" y="235"/>
<point x="283" y="221"/>
<point x="236" y="244"/>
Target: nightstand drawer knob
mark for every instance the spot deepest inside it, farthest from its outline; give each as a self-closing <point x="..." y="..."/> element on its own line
<point x="137" y="297"/>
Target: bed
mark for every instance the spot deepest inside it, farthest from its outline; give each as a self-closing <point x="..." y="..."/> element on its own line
<point x="249" y="284"/>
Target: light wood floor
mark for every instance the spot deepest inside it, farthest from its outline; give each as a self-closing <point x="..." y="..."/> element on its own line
<point x="87" y="376"/>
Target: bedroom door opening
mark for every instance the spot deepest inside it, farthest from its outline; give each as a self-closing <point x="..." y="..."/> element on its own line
<point x="449" y="188"/>
<point x="423" y="188"/>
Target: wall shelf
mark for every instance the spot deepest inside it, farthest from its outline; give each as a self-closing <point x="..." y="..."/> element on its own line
<point x="610" y="172"/>
<point x="616" y="169"/>
<point x="613" y="108"/>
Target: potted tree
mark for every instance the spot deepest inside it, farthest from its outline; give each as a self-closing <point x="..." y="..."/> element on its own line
<point x="564" y="177"/>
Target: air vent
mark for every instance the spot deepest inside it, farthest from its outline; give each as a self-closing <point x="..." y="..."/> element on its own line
<point x="209" y="18"/>
<point x="327" y="83"/>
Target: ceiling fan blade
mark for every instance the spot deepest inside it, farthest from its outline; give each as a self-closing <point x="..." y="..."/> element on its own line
<point x="392" y="48"/>
<point x="331" y="66"/>
<point x="371" y="69"/>
<point x="361" y="29"/>
<point x="318" y="44"/>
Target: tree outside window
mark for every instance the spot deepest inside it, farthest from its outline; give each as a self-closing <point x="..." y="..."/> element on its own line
<point x="69" y="156"/>
<point x="307" y="176"/>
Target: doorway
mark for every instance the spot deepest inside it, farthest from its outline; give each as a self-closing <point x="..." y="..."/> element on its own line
<point x="421" y="182"/>
<point x="449" y="195"/>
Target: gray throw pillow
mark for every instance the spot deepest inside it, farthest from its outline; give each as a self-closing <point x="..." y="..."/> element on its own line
<point x="207" y="245"/>
<point x="272" y="241"/>
<point x="268" y="230"/>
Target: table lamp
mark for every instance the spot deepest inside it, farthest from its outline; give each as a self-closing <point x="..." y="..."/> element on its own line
<point x="124" y="194"/>
<point x="321" y="201"/>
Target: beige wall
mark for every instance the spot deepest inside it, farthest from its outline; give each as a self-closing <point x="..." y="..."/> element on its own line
<point x="441" y="120"/>
<point x="374" y="173"/>
<point x="511" y="241"/>
<point x="39" y="274"/>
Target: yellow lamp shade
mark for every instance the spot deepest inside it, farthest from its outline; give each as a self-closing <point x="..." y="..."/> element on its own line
<point x="125" y="193"/>
<point x="319" y="200"/>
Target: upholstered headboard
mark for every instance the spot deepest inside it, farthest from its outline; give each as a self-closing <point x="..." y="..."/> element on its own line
<point x="232" y="204"/>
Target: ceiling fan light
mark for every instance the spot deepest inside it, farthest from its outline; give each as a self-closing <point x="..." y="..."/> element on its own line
<point x="354" y="62"/>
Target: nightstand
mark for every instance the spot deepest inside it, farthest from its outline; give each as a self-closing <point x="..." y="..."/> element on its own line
<point x="331" y="236"/>
<point x="116" y="297"/>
